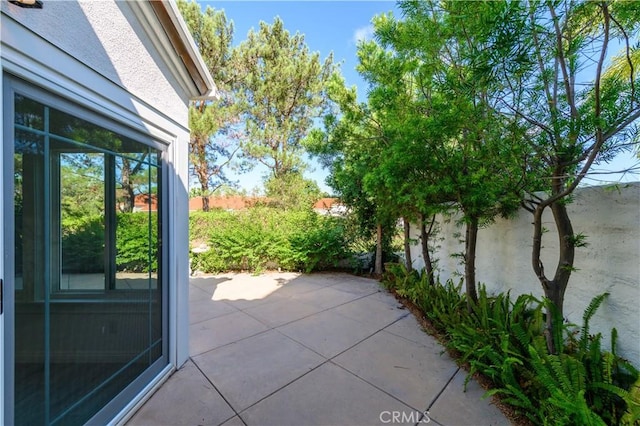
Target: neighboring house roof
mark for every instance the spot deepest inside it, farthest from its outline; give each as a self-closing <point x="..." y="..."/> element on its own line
<point x="145" y="202"/>
<point x="176" y="30"/>
<point x="330" y="206"/>
<point x="326" y="203"/>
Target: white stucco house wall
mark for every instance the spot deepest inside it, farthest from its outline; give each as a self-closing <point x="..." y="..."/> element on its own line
<point x="94" y="105"/>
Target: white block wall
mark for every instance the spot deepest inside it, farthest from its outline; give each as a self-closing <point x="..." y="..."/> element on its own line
<point x="608" y="216"/>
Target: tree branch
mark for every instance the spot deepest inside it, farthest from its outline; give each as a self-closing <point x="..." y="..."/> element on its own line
<point x="628" y="55"/>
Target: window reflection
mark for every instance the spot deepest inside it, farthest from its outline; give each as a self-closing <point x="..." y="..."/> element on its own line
<point x="82" y="218"/>
<point x="29" y="113"/>
<point x="74" y="128"/>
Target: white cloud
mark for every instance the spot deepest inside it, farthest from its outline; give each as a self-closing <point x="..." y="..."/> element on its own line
<point x="362" y="34"/>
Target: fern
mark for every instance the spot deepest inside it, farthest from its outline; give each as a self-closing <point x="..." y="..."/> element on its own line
<point x="586" y="317"/>
<point x="564" y="379"/>
<point x="504" y="341"/>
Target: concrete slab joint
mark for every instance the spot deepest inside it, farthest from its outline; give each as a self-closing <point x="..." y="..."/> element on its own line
<point x="321" y="349"/>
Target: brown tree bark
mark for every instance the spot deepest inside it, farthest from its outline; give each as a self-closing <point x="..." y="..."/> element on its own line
<point x="126" y="173"/>
<point x="471" y="239"/>
<point x="407" y="244"/>
<point x="127" y="187"/>
<point x="205" y="203"/>
<point x="425" y="234"/>
<point x="378" y="264"/>
<point x="554" y="289"/>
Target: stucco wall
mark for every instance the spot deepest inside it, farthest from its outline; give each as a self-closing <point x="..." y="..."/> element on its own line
<point x="608" y="216"/>
<point x="106" y="36"/>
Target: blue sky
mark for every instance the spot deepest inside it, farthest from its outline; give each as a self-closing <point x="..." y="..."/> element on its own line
<point x="328" y="26"/>
<point x="336" y="26"/>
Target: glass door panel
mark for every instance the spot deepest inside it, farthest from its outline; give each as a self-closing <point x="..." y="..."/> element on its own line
<point x="88" y="300"/>
<point x="30" y="333"/>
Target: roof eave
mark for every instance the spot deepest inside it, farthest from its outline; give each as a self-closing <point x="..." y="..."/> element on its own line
<point x="185" y="47"/>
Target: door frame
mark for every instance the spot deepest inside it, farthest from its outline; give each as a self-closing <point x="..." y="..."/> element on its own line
<point x="6" y="268"/>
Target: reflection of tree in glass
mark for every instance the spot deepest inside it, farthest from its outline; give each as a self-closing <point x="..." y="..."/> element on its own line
<point x="130" y="170"/>
<point x="29" y="113"/>
<point x="17" y="203"/>
<point x="28" y="143"/>
<point x="82" y="184"/>
<point x="132" y="175"/>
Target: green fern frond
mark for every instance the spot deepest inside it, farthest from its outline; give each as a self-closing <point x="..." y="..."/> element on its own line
<point x="586" y="317"/>
<point x="630" y="397"/>
<point x="513" y="395"/>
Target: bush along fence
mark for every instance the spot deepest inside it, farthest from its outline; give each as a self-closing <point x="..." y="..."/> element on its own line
<point x="135" y="245"/>
<point x="266" y="238"/>
<point x="503" y="340"/>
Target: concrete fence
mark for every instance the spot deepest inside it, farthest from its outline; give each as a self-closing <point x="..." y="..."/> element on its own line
<point x="610" y="218"/>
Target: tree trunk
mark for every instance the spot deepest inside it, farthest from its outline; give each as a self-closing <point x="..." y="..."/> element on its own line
<point x="471" y="239"/>
<point x="127" y="187"/>
<point x="205" y="203"/>
<point x="424" y="240"/>
<point x="407" y="244"/>
<point x="378" y="265"/>
<point x="554" y="289"/>
<point x="204" y="190"/>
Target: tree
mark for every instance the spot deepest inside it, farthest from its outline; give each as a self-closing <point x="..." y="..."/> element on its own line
<point x="130" y="173"/>
<point x="349" y="147"/>
<point x="390" y="100"/>
<point x="292" y="191"/>
<point x="552" y="57"/>
<point x="82" y="189"/>
<point x="281" y="92"/>
<point x="443" y="124"/>
<point x="215" y="132"/>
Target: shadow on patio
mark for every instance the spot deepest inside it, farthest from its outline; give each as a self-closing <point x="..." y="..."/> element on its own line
<point x="322" y="349"/>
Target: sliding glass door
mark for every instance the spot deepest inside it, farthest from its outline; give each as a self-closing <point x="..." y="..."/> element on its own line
<point x="89" y="304"/>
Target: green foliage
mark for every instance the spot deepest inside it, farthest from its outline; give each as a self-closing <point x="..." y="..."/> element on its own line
<point x="471" y="105"/>
<point x="564" y="379"/>
<point x="137" y="242"/>
<point x="215" y="134"/>
<point x="267" y="238"/>
<point x="291" y="191"/>
<point x="322" y="244"/>
<point x="632" y="398"/>
<point x="281" y="92"/>
<point x="503" y="340"/>
<point x="83" y="245"/>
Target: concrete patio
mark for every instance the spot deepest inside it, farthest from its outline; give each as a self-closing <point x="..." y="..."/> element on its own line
<point x="323" y="349"/>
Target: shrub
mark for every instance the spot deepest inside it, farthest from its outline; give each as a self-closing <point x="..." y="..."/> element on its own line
<point x="134" y="245"/>
<point x="264" y="237"/>
<point x="83" y="244"/>
<point x="321" y="244"/>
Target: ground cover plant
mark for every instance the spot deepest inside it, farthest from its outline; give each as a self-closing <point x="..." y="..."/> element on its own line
<point x="583" y="383"/>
